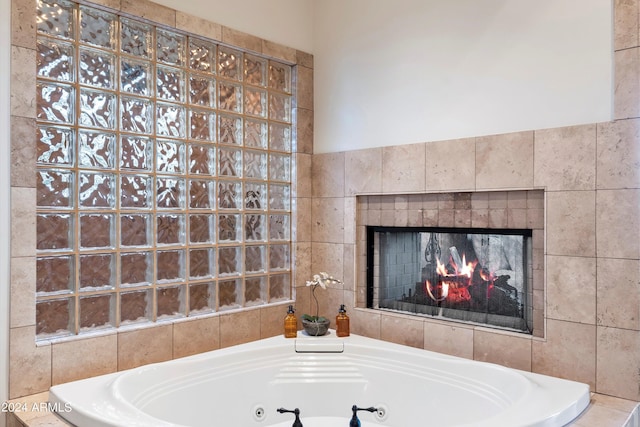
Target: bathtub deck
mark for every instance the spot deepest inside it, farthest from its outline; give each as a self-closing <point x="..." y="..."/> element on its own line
<point x="603" y="411"/>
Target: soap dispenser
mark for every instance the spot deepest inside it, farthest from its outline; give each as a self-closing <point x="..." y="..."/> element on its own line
<point x="290" y="324"/>
<point x="342" y="322"/>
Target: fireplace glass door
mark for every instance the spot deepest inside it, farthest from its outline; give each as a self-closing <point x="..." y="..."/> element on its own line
<point x="470" y="275"/>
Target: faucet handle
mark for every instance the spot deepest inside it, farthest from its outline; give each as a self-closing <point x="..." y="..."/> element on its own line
<point x="296" y="422"/>
<point x="355" y="422"/>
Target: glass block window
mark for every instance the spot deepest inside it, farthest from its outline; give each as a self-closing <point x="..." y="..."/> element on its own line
<point x="164" y="173"/>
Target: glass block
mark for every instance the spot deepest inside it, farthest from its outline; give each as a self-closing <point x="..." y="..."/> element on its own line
<point x="255" y="102"/>
<point x="136" y="115"/>
<point x="202" y="159"/>
<point x="136" y="77"/>
<point x="254" y="228"/>
<point x="170" y="193"/>
<point x="97" y="312"/>
<point x="280" y="137"/>
<point x="279" y="227"/>
<point x="202" y="91"/>
<point x="229" y="195"/>
<point x="136" y="268"/>
<point x="96" y="150"/>
<point x="54" y="231"/>
<point x="279" y="76"/>
<point x="255" y="70"/>
<point x="170" y="84"/>
<point x="279" y="257"/>
<point x="230" y="294"/>
<point x="170" y="156"/>
<point x="170" y="266"/>
<point x="229" y="228"/>
<point x="255" y="133"/>
<point x="97" y="27"/>
<point x="279" y="167"/>
<point x="55" y="318"/>
<point x="97" y="271"/>
<point x="255" y="259"/>
<point x="202" y="194"/>
<point x="97" y="68"/>
<point x="171" y="302"/>
<point x="170" y="47"/>
<point x="54" y="60"/>
<point x="170" y="120"/>
<point x="229" y="63"/>
<point x="201" y="263"/>
<point x="279" y="287"/>
<point x="255" y="164"/>
<point x="202" y="228"/>
<point x="280" y="107"/>
<point x="170" y="229"/>
<point x="202" y="298"/>
<point x="136" y="307"/>
<point x="230" y="129"/>
<point x="136" y="191"/>
<point x="280" y="197"/>
<point x="55" y="274"/>
<point x="135" y="230"/>
<point x="202" y="55"/>
<point x="56" y="18"/>
<point x="229" y="261"/>
<point x="136" y="153"/>
<point x="202" y="125"/>
<point x="255" y="291"/>
<point x="255" y="196"/>
<point x="135" y="38"/>
<point x="54" y="188"/>
<point x="230" y="96"/>
<point x="55" y="146"/>
<point x="97" y="190"/>
<point x="97" y="109"/>
<point x="97" y="231"/>
<point x="230" y="162"/>
<point x="55" y="103"/>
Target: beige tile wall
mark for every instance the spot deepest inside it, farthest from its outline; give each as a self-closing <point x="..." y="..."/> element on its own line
<point x="34" y="368"/>
<point x="591" y="247"/>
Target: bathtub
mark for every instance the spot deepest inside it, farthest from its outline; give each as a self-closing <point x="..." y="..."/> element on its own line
<point x="244" y="385"/>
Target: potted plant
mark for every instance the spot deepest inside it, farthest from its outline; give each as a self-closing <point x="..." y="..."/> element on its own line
<point x="317" y="325"/>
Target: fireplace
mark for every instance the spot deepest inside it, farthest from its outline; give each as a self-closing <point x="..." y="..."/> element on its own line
<point x="473" y="257"/>
<point x="472" y="275"/>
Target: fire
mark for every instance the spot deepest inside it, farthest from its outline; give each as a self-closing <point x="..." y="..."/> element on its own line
<point x="465" y="270"/>
<point x="453" y="286"/>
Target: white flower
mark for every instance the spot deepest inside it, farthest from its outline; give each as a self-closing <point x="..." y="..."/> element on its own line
<point x="322" y="279"/>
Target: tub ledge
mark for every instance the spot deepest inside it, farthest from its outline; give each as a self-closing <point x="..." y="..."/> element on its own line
<point x="603" y="411"/>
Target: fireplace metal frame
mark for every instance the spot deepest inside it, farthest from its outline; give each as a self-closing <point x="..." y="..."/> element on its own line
<point x="527" y="298"/>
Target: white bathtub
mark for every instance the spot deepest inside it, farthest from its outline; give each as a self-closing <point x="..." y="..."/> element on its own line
<point x="242" y="386"/>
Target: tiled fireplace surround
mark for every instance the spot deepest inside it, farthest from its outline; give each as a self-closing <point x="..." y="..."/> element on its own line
<point x="590" y="175"/>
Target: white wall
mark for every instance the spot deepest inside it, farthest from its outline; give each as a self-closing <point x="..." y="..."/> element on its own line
<point x="288" y="22"/>
<point x="404" y="71"/>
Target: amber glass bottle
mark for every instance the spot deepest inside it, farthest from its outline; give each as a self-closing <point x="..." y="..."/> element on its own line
<point x="342" y="322"/>
<point x="290" y="324"/>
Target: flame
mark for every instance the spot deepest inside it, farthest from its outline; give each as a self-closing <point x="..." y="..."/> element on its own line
<point x="437" y="293"/>
<point x="456" y="288"/>
<point x="466" y="269"/>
